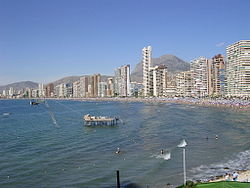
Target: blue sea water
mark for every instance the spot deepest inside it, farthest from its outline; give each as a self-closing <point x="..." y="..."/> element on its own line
<point x="36" y="151"/>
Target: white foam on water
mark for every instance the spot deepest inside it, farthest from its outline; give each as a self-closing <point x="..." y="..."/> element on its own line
<point x="166" y="156"/>
<point x="241" y="161"/>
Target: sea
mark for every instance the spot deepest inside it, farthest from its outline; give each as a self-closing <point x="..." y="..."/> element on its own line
<point x="47" y="145"/>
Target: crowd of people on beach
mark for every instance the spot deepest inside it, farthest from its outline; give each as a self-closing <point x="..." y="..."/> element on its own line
<point x="232" y="177"/>
<point x="236" y="103"/>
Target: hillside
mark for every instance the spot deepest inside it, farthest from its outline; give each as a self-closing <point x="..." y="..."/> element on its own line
<point x="19" y="85"/>
<point x="71" y="79"/>
<point x="173" y="64"/>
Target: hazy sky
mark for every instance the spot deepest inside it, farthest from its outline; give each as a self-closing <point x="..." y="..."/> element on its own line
<point x="44" y="40"/>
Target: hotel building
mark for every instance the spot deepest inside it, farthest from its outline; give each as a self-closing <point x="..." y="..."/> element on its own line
<point x="216" y="76"/>
<point x="122" y="81"/>
<point x="238" y="69"/>
<point x="154" y="78"/>
<point x="147" y="71"/>
<point x="184" y="83"/>
<point x="199" y="67"/>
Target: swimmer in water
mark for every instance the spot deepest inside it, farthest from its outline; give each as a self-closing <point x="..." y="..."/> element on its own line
<point x="118" y="151"/>
<point x="162" y="151"/>
<point x="216" y="137"/>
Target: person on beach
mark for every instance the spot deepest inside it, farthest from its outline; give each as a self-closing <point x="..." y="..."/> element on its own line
<point x="227" y="177"/>
<point x="235" y="176"/>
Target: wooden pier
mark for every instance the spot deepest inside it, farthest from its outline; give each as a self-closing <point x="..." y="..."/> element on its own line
<point x="99" y="120"/>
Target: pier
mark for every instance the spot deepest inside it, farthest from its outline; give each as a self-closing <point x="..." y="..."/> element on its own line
<point x="99" y="120"/>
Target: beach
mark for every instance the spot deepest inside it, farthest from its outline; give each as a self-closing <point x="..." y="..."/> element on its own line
<point x="235" y="103"/>
<point x="244" y="176"/>
<point x="238" y="104"/>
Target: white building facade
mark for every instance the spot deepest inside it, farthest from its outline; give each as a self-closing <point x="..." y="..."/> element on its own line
<point x="238" y="69"/>
<point x="147" y="71"/>
<point x="199" y="67"/>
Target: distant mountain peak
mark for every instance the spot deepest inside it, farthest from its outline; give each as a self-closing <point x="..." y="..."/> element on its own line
<point x="172" y="62"/>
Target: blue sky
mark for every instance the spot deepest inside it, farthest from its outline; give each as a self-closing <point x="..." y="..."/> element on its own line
<point x="44" y="40"/>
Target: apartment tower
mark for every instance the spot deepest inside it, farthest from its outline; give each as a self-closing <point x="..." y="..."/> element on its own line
<point x="122" y="81"/>
<point x="147" y="71"/>
<point x="238" y="69"/>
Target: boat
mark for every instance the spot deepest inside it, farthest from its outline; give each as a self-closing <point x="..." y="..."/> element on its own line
<point x="99" y="120"/>
<point x="33" y="103"/>
<point x="6" y="113"/>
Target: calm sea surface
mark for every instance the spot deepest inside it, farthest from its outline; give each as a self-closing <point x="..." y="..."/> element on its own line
<point x="36" y="151"/>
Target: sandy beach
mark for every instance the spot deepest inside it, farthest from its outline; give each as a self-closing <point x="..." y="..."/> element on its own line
<point x="244" y="176"/>
<point x="237" y="104"/>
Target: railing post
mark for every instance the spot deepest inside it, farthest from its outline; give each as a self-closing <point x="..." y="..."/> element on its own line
<point x="118" y="179"/>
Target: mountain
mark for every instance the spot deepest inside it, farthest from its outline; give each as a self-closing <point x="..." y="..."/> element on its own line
<point x="19" y="85"/>
<point x="68" y="79"/>
<point x="173" y="64"/>
<point x="71" y="79"/>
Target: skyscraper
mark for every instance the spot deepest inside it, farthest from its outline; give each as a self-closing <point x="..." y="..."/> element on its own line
<point x="122" y="81"/>
<point x="199" y="67"/>
<point x="49" y="90"/>
<point x="41" y="90"/>
<point x="238" y="69"/>
<point x="110" y="87"/>
<point x="159" y="80"/>
<point x="76" y="89"/>
<point x="95" y="80"/>
<point x="216" y="75"/>
<point x="102" y="89"/>
<point x="184" y="83"/>
<point x="154" y="78"/>
<point x="147" y="71"/>
<point x="84" y="82"/>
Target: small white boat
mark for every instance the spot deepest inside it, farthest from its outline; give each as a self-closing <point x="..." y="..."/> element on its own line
<point x="6" y="113"/>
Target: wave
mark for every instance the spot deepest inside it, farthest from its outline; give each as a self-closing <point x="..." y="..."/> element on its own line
<point x="166" y="156"/>
<point x="241" y="161"/>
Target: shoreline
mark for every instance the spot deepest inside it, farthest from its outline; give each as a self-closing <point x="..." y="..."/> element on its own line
<point x="244" y="176"/>
<point x="237" y="104"/>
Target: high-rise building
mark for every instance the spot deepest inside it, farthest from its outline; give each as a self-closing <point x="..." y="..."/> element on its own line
<point x="122" y="81"/>
<point x="84" y="82"/>
<point x="184" y="83"/>
<point x="76" y="89"/>
<point x="68" y="90"/>
<point x="35" y="93"/>
<point x="11" y="92"/>
<point x="102" y="89"/>
<point x="238" y="69"/>
<point x="199" y="67"/>
<point x="49" y="90"/>
<point x="159" y="80"/>
<point x="95" y="80"/>
<point x="41" y="90"/>
<point x="147" y="71"/>
<point x="60" y="90"/>
<point x="216" y="76"/>
<point x="5" y="93"/>
<point x="154" y="78"/>
<point x="110" y="87"/>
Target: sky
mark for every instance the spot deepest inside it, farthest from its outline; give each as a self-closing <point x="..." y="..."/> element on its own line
<point x="45" y="40"/>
